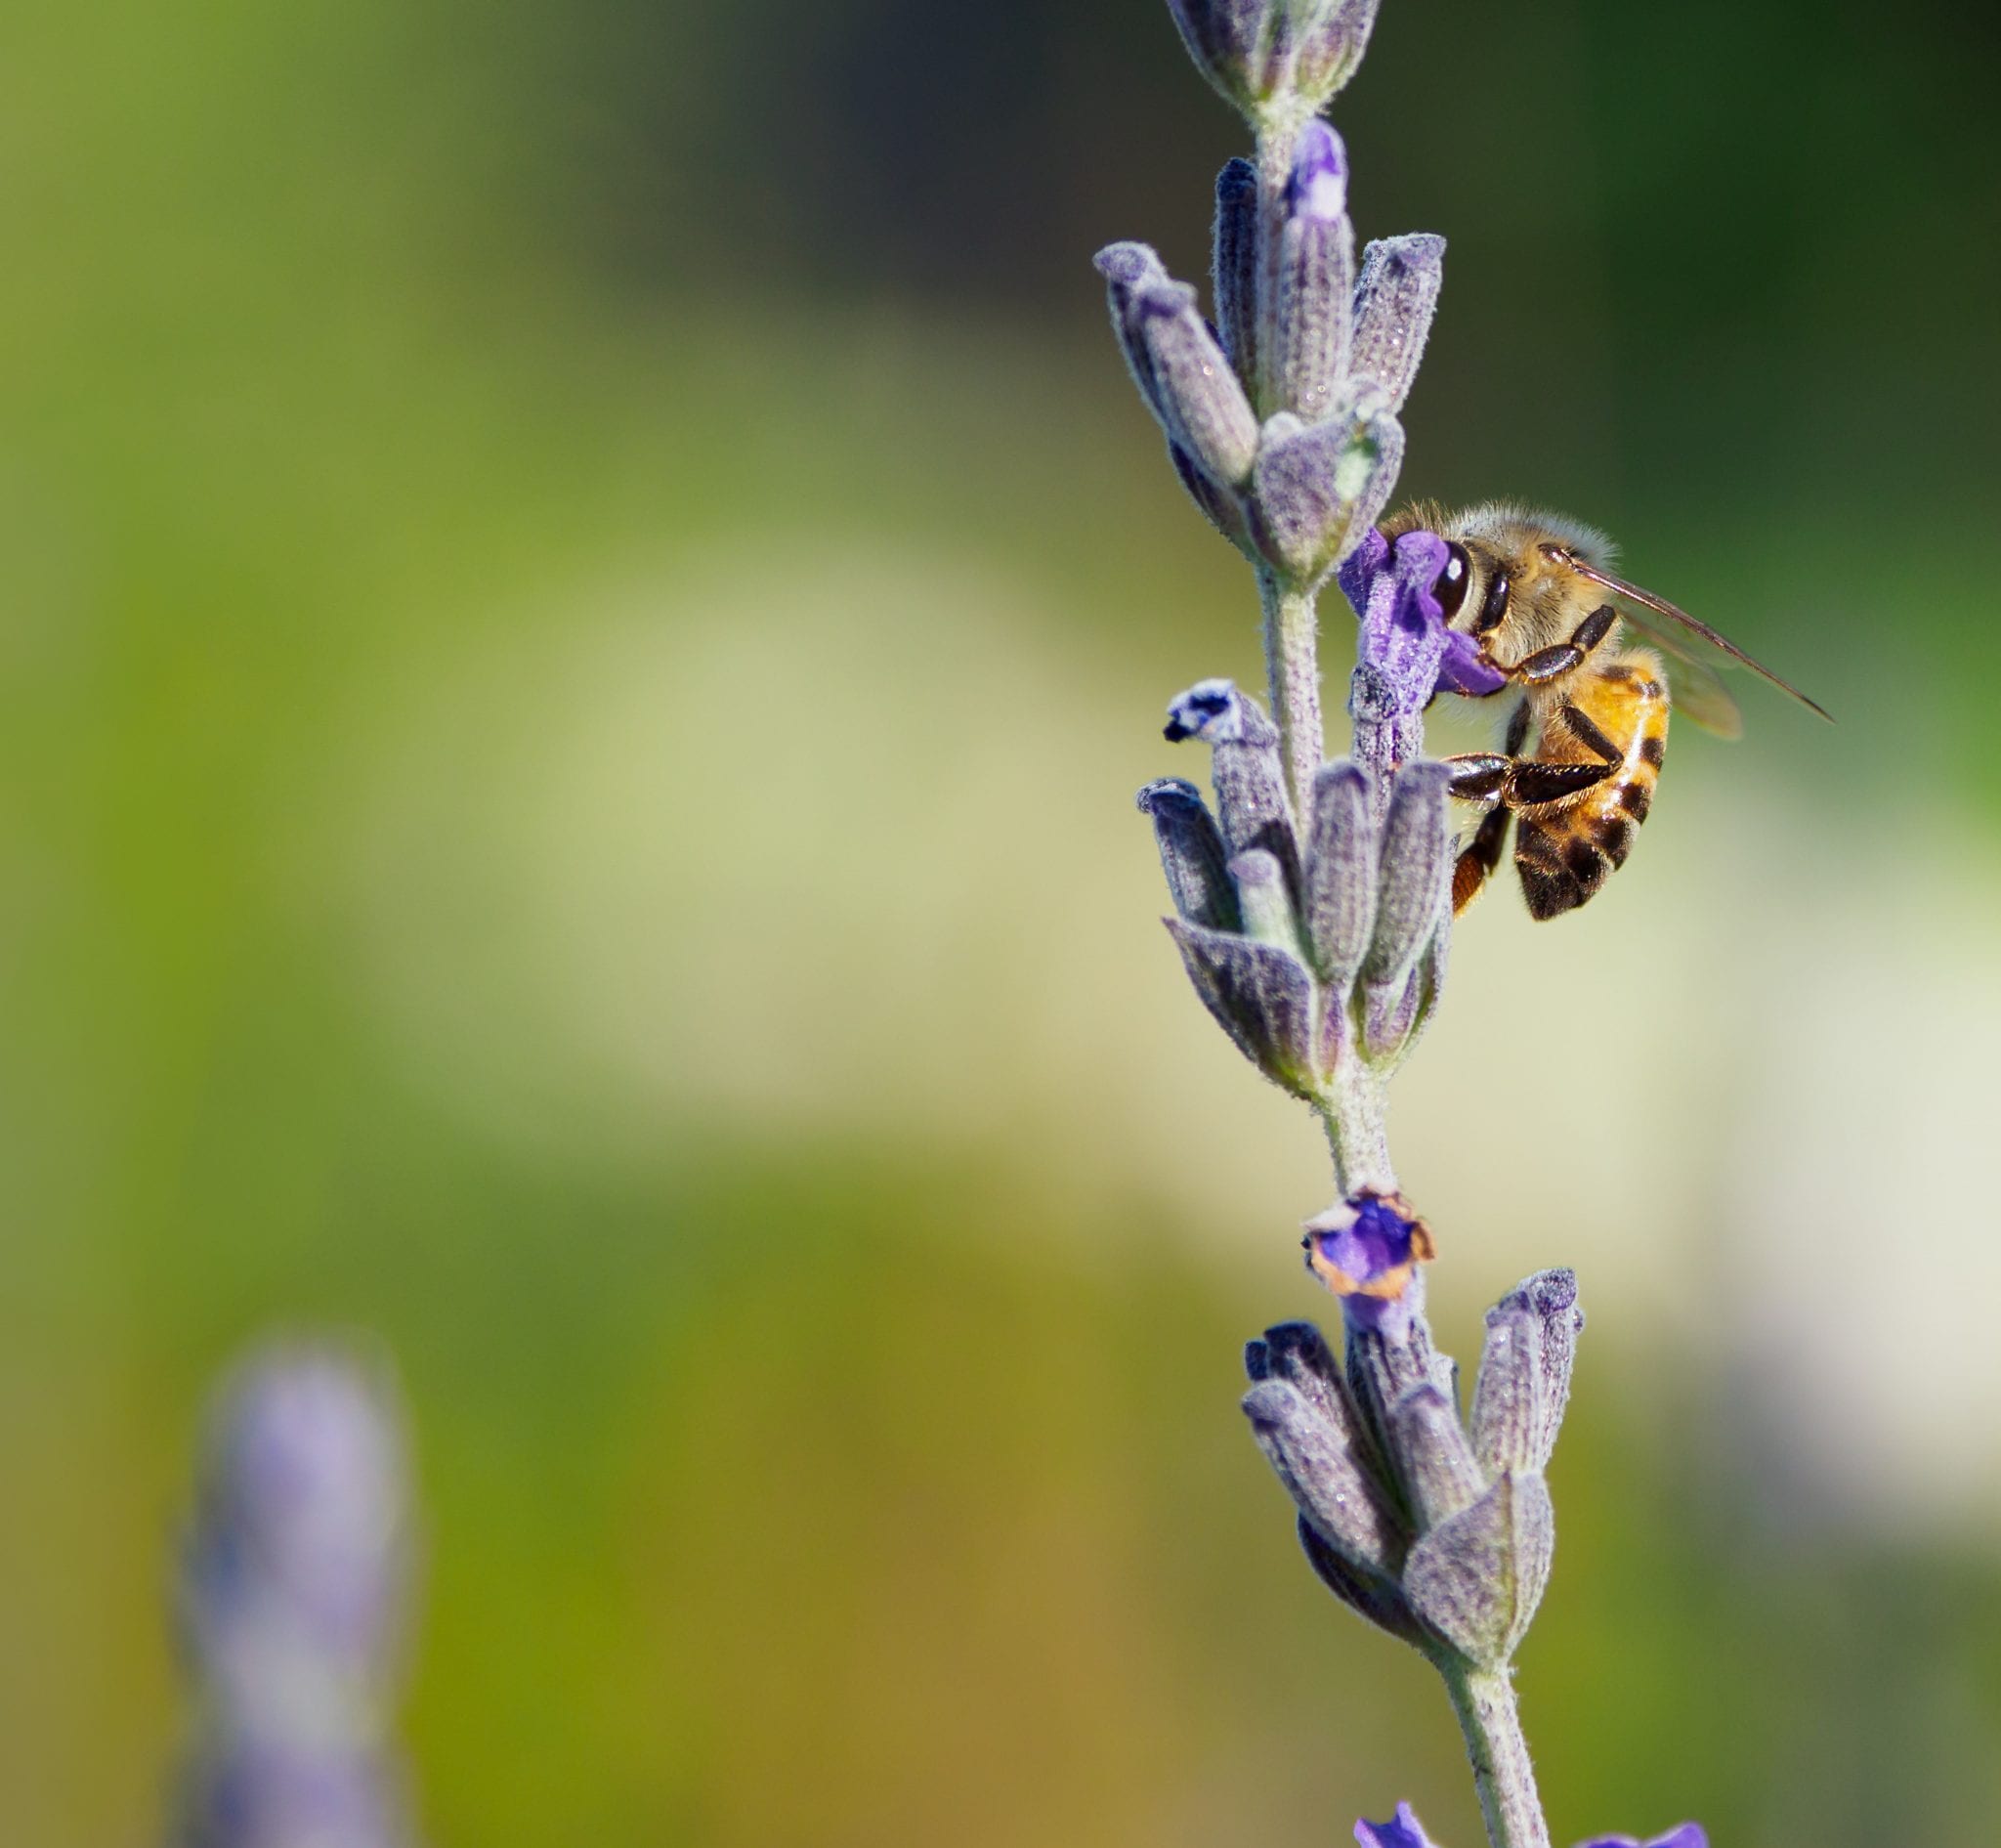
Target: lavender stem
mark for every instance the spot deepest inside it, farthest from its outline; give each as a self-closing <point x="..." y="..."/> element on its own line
<point x="1505" y="1780"/>
<point x="1354" y="1110"/>
<point x="1292" y="663"/>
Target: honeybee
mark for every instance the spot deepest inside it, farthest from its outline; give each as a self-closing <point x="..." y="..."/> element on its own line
<point x="1583" y="745"/>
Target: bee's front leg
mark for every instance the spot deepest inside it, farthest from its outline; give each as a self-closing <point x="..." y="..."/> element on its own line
<point x="1554" y="663"/>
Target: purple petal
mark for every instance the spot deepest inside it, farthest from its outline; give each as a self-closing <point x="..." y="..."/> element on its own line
<point x="1367" y="1246"/>
<point x="1318" y="185"/>
<point x="1688" y="1836"/>
<point x="1463" y="670"/>
<point x="1402" y="645"/>
<point x="1402" y="1831"/>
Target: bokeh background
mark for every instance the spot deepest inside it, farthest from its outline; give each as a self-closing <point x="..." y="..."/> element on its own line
<point x="584" y="599"/>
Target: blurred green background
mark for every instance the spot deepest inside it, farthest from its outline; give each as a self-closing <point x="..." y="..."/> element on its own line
<point x="584" y="599"/>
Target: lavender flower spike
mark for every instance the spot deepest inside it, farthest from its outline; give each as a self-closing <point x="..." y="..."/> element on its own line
<point x="1402" y="1831"/>
<point x="292" y="1595"/>
<point x="1688" y="1836"/>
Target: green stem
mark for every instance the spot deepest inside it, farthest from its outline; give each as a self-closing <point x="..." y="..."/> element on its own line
<point x="1292" y="666"/>
<point x="1484" y="1700"/>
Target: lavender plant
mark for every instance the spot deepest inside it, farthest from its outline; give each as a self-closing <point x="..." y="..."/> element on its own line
<point x="292" y="1592"/>
<point x="1312" y="902"/>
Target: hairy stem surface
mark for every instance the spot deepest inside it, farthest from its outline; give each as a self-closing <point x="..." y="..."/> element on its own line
<point x="1354" y="1110"/>
<point x="1292" y="663"/>
<point x="1484" y="1701"/>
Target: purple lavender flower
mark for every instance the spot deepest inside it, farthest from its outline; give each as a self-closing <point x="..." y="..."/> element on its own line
<point x="292" y="1595"/>
<point x="1688" y="1836"/>
<point x="1402" y="1831"/>
<point x="1366" y="1251"/>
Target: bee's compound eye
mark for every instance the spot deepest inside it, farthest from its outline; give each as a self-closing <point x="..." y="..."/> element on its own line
<point x="1450" y="587"/>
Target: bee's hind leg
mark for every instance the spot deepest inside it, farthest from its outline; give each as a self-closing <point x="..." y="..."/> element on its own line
<point x="1476" y="862"/>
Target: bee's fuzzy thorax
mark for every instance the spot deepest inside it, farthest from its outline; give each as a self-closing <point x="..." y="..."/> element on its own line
<point x="1504" y="521"/>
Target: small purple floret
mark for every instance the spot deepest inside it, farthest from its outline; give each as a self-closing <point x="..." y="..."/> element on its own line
<point x="1402" y="645"/>
<point x="1366" y="1251"/>
<point x="1688" y="1836"/>
<point x="1402" y="1831"/>
<point x="1407" y="653"/>
<point x="1318" y="185"/>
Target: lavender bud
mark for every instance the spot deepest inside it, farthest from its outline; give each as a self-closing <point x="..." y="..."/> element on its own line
<point x="1228" y="41"/>
<point x="1477" y="1577"/>
<point x="1248" y="774"/>
<point x="1417" y="875"/>
<point x="1198" y="398"/>
<point x="1259" y="51"/>
<point x="1389" y="1354"/>
<point x="1297" y="1353"/>
<point x="1262" y="895"/>
<point x="1331" y="48"/>
<point x="1507" y="1414"/>
<point x="1321" y="1475"/>
<point x="1235" y="272"/>
<point x="1391" y="1016"/>
<point x="1394" y="302"/>
<point x="1192" y="854"/>
<point x="292" y="1593"/>
<point x="1341" y="871"/>
<point x="1551" y="1297"/>
<point x="1433" y="1460"/>
<point x="1128" y="269"/>
<point x="1218" y="506"/>
<point x="1305" y="349"/>
<point x="1262" y="997"/>
<point x="1367" y="1594"/>
<point x="1318" y="489"/>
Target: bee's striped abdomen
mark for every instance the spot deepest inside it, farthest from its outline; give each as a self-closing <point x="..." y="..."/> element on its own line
<point x="1564" y="852"/>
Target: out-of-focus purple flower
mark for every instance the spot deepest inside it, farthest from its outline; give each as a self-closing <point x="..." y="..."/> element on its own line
<point x="293" y="1587"/>
<point x="1365" y="1251"/>
<point x="1402" y="1831"/>
<point x="1688" y="1836"/>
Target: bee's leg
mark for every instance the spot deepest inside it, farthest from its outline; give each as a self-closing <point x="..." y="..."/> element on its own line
<point x="1476" y="865"/>
<point x="1536" y="780"/>
<point x="1554" y="663"/>
<point x="1478" y="776"/>
<point x="1483" y="777"/>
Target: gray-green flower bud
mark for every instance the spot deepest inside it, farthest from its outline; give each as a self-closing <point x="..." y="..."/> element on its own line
<point x="1263" y="54"/>
<point x="1394" y="302"/>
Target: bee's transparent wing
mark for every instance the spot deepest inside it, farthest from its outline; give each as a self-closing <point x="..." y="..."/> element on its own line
<point x="1697" y="651"/>
<point x="1698" y="693"/>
